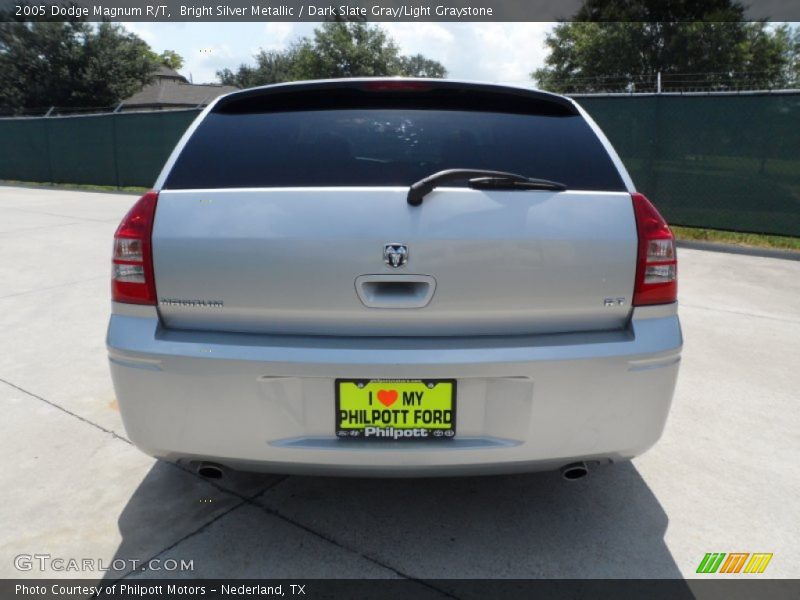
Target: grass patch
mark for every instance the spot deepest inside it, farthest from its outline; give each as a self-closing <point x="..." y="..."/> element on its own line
<point x="77" y="186"/>
<point x="739" y="239"/>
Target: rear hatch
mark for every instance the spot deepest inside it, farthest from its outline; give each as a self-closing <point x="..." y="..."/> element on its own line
<point x="286" y="212"/>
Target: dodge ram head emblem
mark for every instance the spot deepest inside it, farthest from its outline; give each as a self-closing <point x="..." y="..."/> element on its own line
<point x="395" y="255"/>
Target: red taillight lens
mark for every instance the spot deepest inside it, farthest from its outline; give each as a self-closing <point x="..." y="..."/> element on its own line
<point x="132" y="278"/>
<point x="657" y="265"/>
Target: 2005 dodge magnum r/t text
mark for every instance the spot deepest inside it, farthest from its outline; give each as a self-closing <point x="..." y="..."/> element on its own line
<point x="394" y="277"/>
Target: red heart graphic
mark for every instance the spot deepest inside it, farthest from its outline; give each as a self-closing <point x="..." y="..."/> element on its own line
<point x="387" y="397"/>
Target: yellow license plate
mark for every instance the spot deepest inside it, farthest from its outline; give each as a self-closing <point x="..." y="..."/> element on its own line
<point x="396" y="410"/>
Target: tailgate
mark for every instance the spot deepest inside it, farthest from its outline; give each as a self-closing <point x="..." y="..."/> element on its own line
<point x="311" y="261"/>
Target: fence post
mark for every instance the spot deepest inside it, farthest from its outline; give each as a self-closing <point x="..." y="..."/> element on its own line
<point x="658" y="83"/>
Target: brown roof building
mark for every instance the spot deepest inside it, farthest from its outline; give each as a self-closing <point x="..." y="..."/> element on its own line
<point x="170" y="90"/>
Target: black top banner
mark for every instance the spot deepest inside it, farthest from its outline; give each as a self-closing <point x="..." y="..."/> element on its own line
<point x="376" y="10"/>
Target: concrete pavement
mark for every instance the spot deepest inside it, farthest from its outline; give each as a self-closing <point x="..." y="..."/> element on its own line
<point x="723" y="478"/>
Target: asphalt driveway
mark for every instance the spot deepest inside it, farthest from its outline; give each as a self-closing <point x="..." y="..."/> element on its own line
<point x="724" y="478"/>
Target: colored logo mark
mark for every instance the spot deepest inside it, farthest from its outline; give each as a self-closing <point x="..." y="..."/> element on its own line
<point x="734" y="562"/>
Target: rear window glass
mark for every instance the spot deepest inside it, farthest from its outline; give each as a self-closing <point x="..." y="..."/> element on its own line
<point x="387" y="147"/>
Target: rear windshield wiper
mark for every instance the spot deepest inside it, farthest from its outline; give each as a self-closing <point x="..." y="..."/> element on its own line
<point x="502" y="183"/>
<point x="482" y="179"/>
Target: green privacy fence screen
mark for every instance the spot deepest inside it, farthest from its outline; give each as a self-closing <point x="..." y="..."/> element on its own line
<point x="121" y="149"/>
<point x="718" y="161"/>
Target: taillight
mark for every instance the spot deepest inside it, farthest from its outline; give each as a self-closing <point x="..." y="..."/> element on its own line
<point x="657" y="265"/>
<point x="132" y="278"/>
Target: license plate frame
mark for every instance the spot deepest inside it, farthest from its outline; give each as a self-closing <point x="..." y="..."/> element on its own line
<point x="398" y="428"/>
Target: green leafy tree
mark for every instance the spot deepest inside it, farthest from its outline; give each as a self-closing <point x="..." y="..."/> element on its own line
<point x="624" y="45"/>
<point x="271" y="67"/>
<point x="70" y="64"/>
<point x="419" y="66"/>
<point x="794" y="60"/>
<point x="337" y="49"/>
<point x="347" y="49"/>
<point x="171" y="59"/>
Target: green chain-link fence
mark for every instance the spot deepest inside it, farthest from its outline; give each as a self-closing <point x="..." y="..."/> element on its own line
<point x="717" y="161"/>
<point x="121" y="149"/>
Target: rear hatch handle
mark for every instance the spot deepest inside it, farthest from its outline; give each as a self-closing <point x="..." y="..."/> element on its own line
<point x="479" y="179"/>
<point x="395" y="291"/>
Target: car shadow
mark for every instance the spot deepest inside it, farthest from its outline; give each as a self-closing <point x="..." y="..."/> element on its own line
<point x="607" y="525"/>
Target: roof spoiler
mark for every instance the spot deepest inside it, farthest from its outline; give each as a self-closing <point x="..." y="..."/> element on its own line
<point x="394" y="92"/>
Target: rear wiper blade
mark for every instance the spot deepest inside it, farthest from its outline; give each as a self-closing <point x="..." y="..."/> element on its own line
<point x="479" y="179"/>
<point x="502" y="183"/>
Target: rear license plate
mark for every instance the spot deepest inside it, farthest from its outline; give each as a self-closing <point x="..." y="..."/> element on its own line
<point x="396" y="410"/>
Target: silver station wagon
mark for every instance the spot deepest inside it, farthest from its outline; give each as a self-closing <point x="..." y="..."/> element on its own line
<point x="394" y="277"/>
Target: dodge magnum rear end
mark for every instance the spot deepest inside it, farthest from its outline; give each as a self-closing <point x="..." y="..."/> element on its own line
<point x="394" y="277"/>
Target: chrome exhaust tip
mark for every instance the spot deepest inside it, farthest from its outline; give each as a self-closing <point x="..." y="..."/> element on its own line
<point x="210" y="470"/>
<point x="574" y="471"/>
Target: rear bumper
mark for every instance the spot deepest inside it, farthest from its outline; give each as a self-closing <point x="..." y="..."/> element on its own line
<point x="267" y="402"/>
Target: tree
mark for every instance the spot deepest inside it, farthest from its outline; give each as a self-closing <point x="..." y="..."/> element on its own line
<point x="271" y="67"/>
<point x="171" y="59"/>
<point x="419" y="66"/>
<point x="337" y="49"/>
<point x="70" y="64"/>
<point x="618" y="46"/>
<point x="794" y="60"/>
<point x="347" y="49"/>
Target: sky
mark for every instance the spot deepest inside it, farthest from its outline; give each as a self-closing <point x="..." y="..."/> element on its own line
<point x="498" y="52"/>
